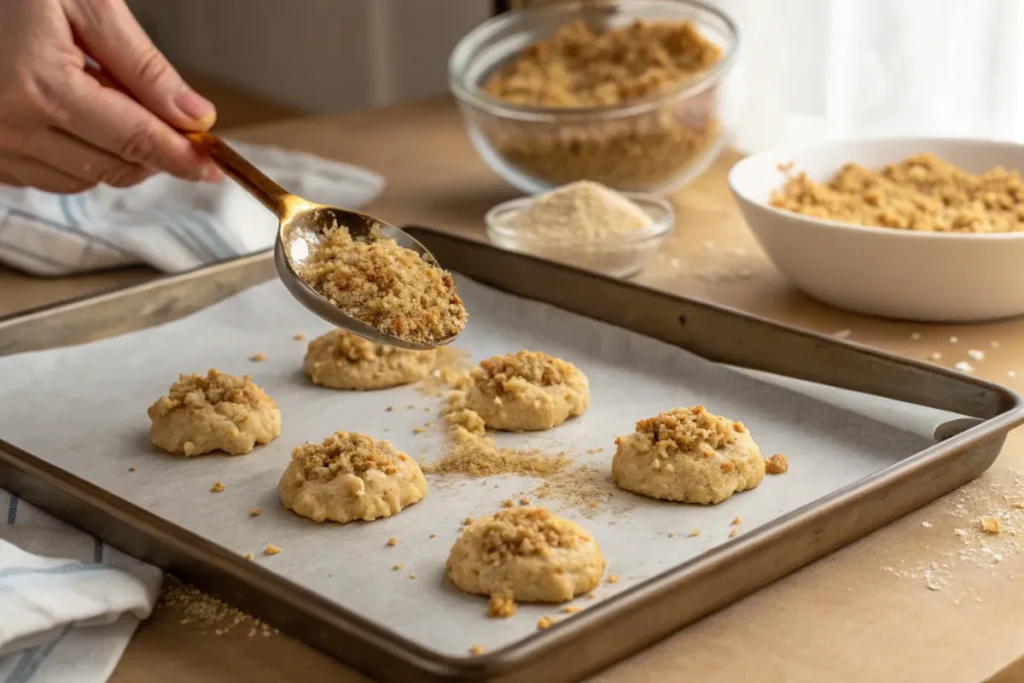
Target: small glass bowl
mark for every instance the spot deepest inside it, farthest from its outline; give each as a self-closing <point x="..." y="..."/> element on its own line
<point x="618" y="256"/>
<point x="655" y="144"/>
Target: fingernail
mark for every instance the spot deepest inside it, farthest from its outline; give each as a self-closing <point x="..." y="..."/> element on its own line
<point x="196" y="107"/>
<point x="212" y="173"/>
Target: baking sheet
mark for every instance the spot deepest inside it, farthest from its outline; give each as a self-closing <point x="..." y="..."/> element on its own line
<point x="84" y="409"/>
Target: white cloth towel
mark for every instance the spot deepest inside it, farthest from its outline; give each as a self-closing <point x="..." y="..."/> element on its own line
<point x="169" y="224"/>
<point x="69" y="603"/>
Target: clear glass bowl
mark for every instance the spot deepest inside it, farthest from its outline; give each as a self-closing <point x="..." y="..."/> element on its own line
<point x="618" y="255"/>
<point x="653" y="145"/>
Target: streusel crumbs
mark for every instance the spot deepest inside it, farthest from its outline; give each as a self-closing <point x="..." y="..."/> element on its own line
<point x="777" y="464"/>
<point x="691" y="429"/>
<point x="385" y="285"/>
<point x="347" y="453"/>
<point x="196" y="392"/>
<point x="922" y="192"/>
<point x="501" y="606"/>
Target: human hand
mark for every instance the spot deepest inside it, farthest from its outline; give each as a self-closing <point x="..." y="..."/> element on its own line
<point x="67" y="124"/>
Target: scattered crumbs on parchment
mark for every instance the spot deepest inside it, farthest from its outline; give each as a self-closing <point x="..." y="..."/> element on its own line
<point x="736" y="521"/>
<point x="476" y="650"/>
<point x="964" y="366"/>
<point x="255" y="512"/>
<point x="591" y="596"/>
<point x="613" y="578"/>
<point x="571" y="609"/>
<point x="842" y="334"/>
<point x="298" y="337"/>
<point x="695" y="533"/>
<point x="392" y="542"/>
<point x="507" y="503"/>
<point x="248" y="556"/>
<point x="732" y="534"/>
<point x="410" y="407"/>
<point x="389" y="409"/>
<point x="418" y="430"/>
<point x="990" y="524"/>
<point x="501" y="606"/>
<point x="993" y="344"/>
<point x="976" y="354"/>
<point x="432" y="536"/>
<point x="397" y="567"/>
<point x="777" y="464"/>
<point x="524" y="501"/>
<point x="218" y="486"/>
<point x="915" y="336"/>
<point x="196" y="608"/>
<point x="935" y="356"/>
<point x="671" y="534"/>
<point x="272" y="550"/>
<point x="953" y="340"/>
<point x="258" y="357"/>
<point x="412" y="576"/>
<point x="926" y="525"/>
<point x="131" y="469"/>
<point x="545" y="623"/>
<point x="984" y="515"/>
<point x="467" y="521"/>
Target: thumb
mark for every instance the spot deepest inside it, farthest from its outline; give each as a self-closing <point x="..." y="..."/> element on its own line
<point x="111" y="35"/>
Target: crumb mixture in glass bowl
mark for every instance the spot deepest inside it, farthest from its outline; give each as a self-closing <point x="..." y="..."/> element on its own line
<point x="621" y="93"/>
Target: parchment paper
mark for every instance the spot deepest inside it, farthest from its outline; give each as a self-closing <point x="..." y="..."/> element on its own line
<point x="84" y="409"/>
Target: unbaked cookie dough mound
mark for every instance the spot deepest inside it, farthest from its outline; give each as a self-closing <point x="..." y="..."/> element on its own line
<point x="688" y="455"/>
<point x="215" y="412"/>
<point x="526" y="554"/>
<point x="350" y="476"/>
<point x="343" y="360"/>
<point x="527" y="391"/>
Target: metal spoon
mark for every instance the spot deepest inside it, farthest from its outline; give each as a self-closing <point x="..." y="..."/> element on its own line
<point x="301" y="224"/>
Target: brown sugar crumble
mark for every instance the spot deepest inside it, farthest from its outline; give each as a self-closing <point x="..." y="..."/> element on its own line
<point x="255" y="512"/>
<point x="196" y="392"/>
<point x="298" y="337"/>
<point x="526" y="531"/>
<point x="257" y="358"/>
<point x="690" y="429"/>
<point x="777" y="464"/>
<point x="347" y="453"/>
<point x="991" y="524"/>
<point x="501" y="606"/>
<point x="613" y="578"/>
<point x="545" y="623"/>
<point x="392" y="542"/>
<point x="694" y="533"/>
<point x="584" y="66"/>
<point x="192" y="607"/>
<point x="385" y="285"/>
<point x="921" y="192"/>
<point x="736" y="521"/>
<point x="272" y="550"/>
<point x="217" y="487"/>
<point x="397" y="567"/>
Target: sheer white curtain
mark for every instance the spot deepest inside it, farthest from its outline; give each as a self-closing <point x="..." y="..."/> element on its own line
<point x="818" y="69"/>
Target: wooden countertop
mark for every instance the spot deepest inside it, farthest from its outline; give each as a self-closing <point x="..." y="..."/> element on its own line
<point x="862" y="614"/>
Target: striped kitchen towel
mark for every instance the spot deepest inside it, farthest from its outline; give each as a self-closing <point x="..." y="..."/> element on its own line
<point x="68" y="603"/>
<point x="169" y="224"/>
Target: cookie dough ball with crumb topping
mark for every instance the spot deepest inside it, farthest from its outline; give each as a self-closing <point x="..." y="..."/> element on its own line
<point x="216" y="412"/>
<point x="526" y="554"/>
<point x="350" y="476"/>
<point x="527" y="391"/>
<point x="688" y="455"/>
<point x="343" y="360"/>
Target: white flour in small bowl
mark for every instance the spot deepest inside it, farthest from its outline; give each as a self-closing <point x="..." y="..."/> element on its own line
<point x="583" y="210"/>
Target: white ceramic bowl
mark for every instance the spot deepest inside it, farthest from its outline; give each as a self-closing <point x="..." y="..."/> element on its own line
<point x="924" y="276"/>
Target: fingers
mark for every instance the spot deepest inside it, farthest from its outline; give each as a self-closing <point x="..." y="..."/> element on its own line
<point x="20" y="170"/>
<point x="112" y="121"/>
<point x="112" y="36"/>
<point x="81" y="160"/>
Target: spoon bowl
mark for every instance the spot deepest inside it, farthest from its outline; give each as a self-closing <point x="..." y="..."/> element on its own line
<point x="301" y="226"/>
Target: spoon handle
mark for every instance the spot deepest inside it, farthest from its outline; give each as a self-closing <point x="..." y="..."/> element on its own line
<point x="272" y="195"/>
